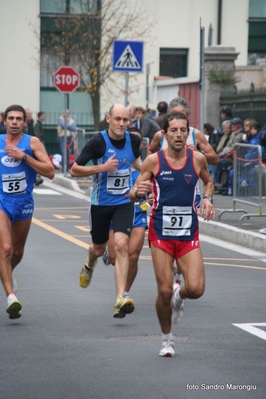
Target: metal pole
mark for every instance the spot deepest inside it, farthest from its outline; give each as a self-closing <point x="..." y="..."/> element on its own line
<point x="126" y="89"/>
<point x="202" y="85"/>
<point x="147" y="85"/>
<point x="65" y="137"/>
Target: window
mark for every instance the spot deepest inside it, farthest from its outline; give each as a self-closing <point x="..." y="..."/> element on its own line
<point x="257" y="9"/>
<point x="51" y="61"/>
<point x="67" y="6"/>
<point x="173" y="62"/>
<point x="53" y="6"/>
<point x="257" y="33"/>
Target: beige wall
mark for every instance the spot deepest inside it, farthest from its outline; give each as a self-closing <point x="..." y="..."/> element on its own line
<point x="177" y="24"/>
<point x="19" y="49"/>
<point x="244" y="75"/>
<point x="235" y="28"/>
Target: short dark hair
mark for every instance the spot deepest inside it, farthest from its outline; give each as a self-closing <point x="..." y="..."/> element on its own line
<point x="15" y="107"/>
<point x="134" y="129"/>
<point x="162" y="107"/>
<point x="140" y="109"/>
<point x="41" y="113"/>
<point x="209" y="128"/>
<point x="256" y="125"/>
<point x="225" y="109"/>
<point x="174" y="115"/>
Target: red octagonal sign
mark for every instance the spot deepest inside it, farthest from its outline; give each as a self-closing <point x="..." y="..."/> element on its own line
<point x="66" y="79"/>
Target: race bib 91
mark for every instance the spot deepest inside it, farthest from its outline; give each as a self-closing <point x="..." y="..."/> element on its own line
<point x="177" y="220"/>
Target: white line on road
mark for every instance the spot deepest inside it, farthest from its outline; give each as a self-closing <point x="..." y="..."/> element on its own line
<point x="250" y="328"/>
<point x="233" y="247"/>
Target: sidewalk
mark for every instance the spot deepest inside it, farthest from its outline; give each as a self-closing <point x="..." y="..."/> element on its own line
<point x="225" y="229"/>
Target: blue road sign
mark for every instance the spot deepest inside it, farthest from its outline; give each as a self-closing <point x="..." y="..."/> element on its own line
<point x="127" y="56"/>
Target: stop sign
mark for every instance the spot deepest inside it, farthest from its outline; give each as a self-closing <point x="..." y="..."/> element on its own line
<point x="66" y="79"/>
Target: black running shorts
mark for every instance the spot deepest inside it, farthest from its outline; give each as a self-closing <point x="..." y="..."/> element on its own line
<point x="101" y="216"/>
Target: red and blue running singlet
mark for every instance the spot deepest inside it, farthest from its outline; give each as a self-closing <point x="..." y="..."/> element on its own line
<point x="174" y="212"/>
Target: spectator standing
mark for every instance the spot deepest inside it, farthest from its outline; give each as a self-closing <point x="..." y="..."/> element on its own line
<point x="21" y="157"/>
<point x="103" y="125"/>
<point x="2" y="124"/>
<point x="38" y="127"/>
<point x="227" y="130"/>
<point x="38" y="130"/>
<point x="262" y="142"/>
<point x="145" y="124"/>
<point x="211" y="134"/>
<point x="29" y="125"/>
<point x="68" y="124"/>
<point x="132" y="116"/>
<point x="247" y="128"/>
<point x="226" y="155"/>
<point x="162" y="109"/>
<point x="225" y="114"/>
<point x="253" y="139"/>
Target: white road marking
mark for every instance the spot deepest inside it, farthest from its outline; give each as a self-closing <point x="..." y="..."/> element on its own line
<point x="250" y="328"/>
<point x="233" y="247"/>
<point x="45" y="191"/>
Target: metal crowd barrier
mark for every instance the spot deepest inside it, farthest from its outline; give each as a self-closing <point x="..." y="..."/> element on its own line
<point x="248" y="180"/>
<point x="143" y="152"/>
<point x="79" y="141"/>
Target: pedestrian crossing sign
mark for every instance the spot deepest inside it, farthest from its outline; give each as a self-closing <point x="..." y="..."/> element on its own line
<point x="127" y="56"/>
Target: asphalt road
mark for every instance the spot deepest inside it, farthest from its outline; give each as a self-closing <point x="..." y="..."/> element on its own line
<point x="68" y="345"/>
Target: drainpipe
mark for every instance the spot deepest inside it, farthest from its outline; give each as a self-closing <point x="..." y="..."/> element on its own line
<point x="219" y="29"/>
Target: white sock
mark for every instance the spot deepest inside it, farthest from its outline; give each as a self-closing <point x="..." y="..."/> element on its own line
<point x="167" y="336"/>
<point x="126" y="294"/>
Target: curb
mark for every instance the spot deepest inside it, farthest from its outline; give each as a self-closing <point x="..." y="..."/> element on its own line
<point x="234" y="235"/>
<point x="249" y="239"/>
<point x="71" y="184"/>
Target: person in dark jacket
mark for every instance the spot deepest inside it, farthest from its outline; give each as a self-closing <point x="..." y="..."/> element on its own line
<point x="29" y="125"/>
<point x="146" y="125"/>
<point x="2" y="125"/>
<point x="38" y="128"/>
<point x="212" y="135"/>
<point x="226" y="115"/>
<point x="103" y="125"/>
<point x="162" y="109"/>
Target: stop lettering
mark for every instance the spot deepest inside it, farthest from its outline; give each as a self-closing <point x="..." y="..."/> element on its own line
<point x="66" y="79"/>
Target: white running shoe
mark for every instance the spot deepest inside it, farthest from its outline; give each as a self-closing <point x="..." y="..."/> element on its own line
<point x="13" y="307"/>
<point x="177" y="304"/>
<point x="177" y="275"/>
<point x="167" y="348"/>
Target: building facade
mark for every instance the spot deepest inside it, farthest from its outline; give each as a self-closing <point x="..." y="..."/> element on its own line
<point x="171" y="50"/>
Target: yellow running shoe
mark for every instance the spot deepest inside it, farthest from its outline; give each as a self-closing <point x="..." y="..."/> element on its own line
<point x="123" y="306"/>
<point x="15" y="315"/>
<point x="13" y="307"/>
<point x="86" y="275"/>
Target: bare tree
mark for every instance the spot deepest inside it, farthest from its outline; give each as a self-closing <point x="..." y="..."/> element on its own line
<point x="83" y="37"/>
